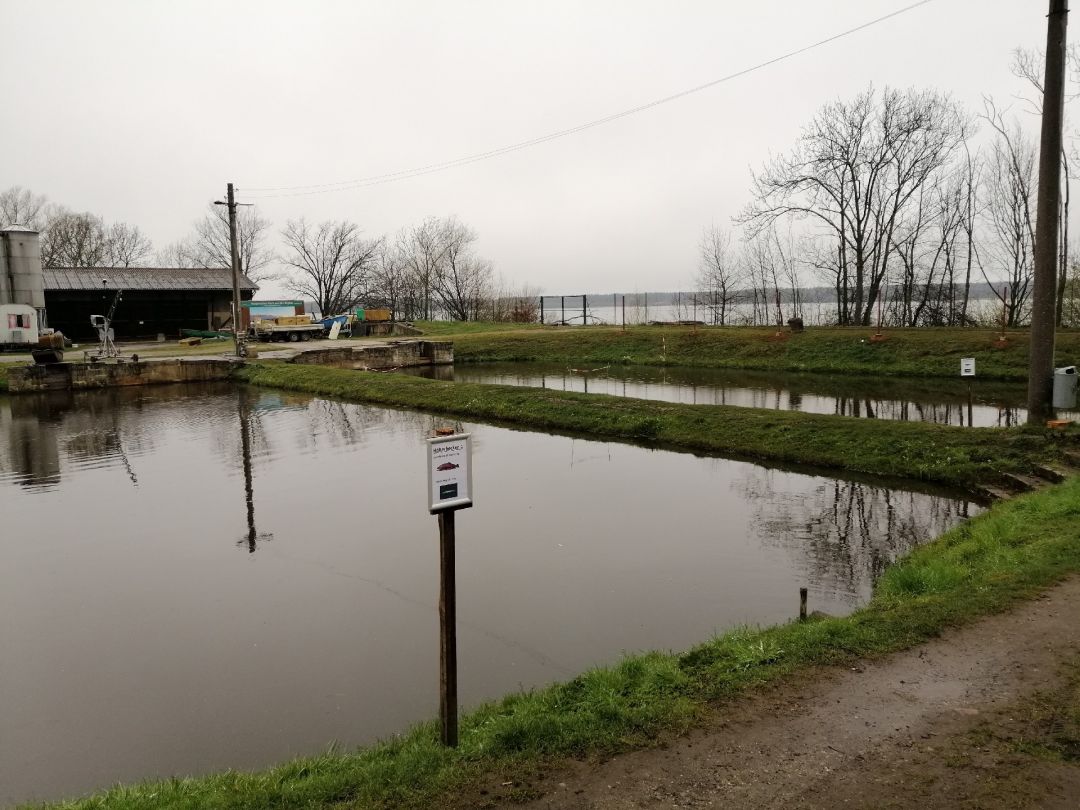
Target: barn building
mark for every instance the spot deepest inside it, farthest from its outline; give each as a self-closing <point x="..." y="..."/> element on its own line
<point x="155" y="300"/>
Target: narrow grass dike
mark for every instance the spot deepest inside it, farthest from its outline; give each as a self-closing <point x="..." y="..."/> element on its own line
<point x="923" y="352"/>
<point x="941" y="454"/>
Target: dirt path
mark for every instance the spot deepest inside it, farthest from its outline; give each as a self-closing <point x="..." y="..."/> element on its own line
<point x="985" y="717"/>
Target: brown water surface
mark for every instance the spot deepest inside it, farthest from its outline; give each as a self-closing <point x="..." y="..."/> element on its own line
<point x="201" y="578"/>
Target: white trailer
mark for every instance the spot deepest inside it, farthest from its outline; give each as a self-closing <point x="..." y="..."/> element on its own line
<point x="18" y="327"/>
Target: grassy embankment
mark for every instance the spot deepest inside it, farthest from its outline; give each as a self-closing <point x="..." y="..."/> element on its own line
<point x="946" y="455"/>
<point x="905" y="352"/>
<point x="1009" y="553"/>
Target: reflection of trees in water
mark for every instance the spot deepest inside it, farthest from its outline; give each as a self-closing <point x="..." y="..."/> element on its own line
<point x="85" y="424"/>
<point x="40" y="433"/>
<point x="843" y="534"/>
<point x="947" y="413"/>
<point x="282" y="424"/>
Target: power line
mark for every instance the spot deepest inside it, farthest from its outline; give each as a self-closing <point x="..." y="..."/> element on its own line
<point x="405" y="174"/>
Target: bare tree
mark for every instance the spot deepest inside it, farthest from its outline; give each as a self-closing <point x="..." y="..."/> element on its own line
<point x="1071" y="298"/>
<point x="853" y="175"/>
<point x="521" y="305"/>
<point x="389" y="280"/>
<point x="126" y="246"/>
<point x="74" y="240"/>
<point x="1028" y="65"/>
<point x="332" y="263"/>
<point x="1008" y="208"/>
<point x="177" y="254"/>
<point x="463" y="283"/>
<point x="719" y="275"/>
<point x="210" y="245"/>
<point x="20" y="206"/>
<point x="423" y="249"/>
<point x="69" y="239"/>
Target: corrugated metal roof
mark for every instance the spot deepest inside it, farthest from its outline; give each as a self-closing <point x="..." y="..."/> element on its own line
<point x="142" y="278"/>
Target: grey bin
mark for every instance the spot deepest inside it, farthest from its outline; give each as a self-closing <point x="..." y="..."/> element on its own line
<point x="1065" y="387"/>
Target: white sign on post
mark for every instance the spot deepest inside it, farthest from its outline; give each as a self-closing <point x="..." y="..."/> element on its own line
<point x="449" y="472"/>
<point x="967" y="366"/>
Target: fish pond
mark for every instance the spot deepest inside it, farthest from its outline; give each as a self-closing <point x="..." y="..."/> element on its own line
<point x="212" y="577"/>
<point x="947" y="402"/>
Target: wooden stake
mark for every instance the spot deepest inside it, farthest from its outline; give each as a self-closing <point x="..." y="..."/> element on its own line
<point x="802" y="604"/>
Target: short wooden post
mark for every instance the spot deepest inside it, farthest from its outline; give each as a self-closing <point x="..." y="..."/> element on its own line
<point x="562" y="304"/>
<point x="802" y="604"/>
<point x="541" y="310"/>
<point x="624" y="313"/>
<point x="448" y="702"/>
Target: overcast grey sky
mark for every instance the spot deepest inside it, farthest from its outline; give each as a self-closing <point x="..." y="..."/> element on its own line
<point x="141" y="111"/>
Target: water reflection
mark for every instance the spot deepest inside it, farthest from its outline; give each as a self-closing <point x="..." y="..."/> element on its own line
<point x="946" y="402"/>
<point x="843" y="534"/>
<point x="133" y="618"/>
<point x="254" y="537"/>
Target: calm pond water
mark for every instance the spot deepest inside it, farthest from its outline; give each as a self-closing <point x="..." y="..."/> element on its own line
<point x="204" y="578"/>
<point x="986" y="404"/>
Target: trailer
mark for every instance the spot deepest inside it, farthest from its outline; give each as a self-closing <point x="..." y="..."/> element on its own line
<point x="291" y="328"/>
<point x="18" y="327"/>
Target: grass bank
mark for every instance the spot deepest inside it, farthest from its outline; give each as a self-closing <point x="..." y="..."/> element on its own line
<point x="1011" y="552"/>
<point x="952" y="456"/>
<point x="905" y="352"/>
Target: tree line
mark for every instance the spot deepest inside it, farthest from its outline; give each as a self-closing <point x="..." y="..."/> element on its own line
<point x="428" y="271"/>
<point x="900" y="201"/>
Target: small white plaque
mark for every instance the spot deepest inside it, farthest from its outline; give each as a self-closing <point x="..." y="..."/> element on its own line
<point x="449" y="472"/>
<point x="967" y="366"/>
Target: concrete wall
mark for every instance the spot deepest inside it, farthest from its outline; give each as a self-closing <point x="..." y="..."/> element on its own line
<point x="107" y="375"/>
<point x="400" y="354"/>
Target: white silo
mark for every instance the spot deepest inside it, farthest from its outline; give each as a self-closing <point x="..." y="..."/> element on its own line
<point x="21" y="278"/>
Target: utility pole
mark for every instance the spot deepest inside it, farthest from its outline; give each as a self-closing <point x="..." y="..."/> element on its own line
<point x="238" y="333"/>
<point x="1041" y="369"/>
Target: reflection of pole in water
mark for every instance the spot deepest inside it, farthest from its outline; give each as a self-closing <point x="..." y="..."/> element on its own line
<point x="252" y="537"/>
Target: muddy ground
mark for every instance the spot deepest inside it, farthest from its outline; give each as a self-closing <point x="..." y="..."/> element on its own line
<point x="987" y="716"/>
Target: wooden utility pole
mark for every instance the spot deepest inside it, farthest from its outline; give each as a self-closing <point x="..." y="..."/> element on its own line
<point x="1041" y="369"/>
<point x="238" y="332"/>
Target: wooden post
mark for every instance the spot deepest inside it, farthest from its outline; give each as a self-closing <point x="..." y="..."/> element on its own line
<point x="584" y="309"/>
<point x="448" y="703"/>
<point x="562" y="302"/>
<point x="802" y="604"/>
<point x="614" y="308"/>
<point x="624" y="313"/>
<point x="541" y="310"/>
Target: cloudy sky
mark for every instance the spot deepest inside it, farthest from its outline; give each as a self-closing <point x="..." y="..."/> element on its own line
<point x="142" y="110"/>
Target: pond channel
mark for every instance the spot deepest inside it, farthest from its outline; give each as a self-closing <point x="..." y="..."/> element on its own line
<point x="946" y="402"/>
<point x="202" y="578"/>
